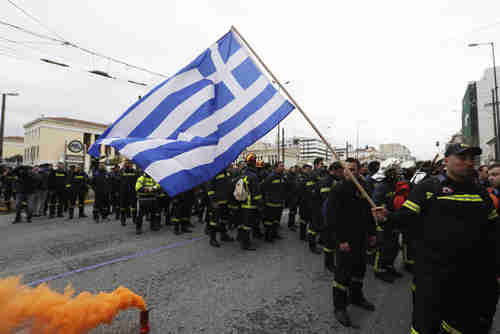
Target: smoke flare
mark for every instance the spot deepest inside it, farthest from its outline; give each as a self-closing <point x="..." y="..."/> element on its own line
<point x="44" y="311"/>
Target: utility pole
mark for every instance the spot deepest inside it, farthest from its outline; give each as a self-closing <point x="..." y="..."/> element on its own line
<point x="2" y="124"/>
<point x="346" y="149"/>
<point x="283" y="145"/>
<point x="493" y="103"/>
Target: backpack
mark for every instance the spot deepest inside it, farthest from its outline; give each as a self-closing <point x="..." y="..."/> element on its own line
<point x="402" y="191"/>
<point x="240" y="190"/>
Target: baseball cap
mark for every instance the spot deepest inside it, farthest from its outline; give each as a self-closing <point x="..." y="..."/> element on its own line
<point x="457" y="149"/>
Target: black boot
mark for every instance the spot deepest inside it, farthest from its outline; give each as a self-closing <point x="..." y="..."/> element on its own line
<point x="81" y="212"/>
<point x="384" y="276"/>
<point x="339" y="293"/>
<point x="167" y="220"/>
<point x="28" y="218"/>
<point x="213" y="239"/>
<point x="138" y="224"/>
<point x="177" y="229"/>
<point x="358" y="299"/>
<point x="302" y="232"/>
<point x="117" y="213"/>
<point x="155" y="222"/>
<point x="329" y="260"/>
<point x="391" y="270"/>
<point x="268" y="234"/>
<point x="291" y="221"/>
<point x="123" y="218"/>
<point x="96" y="217"/>
<point x="71" y="213"/>
<point x="312" y="244"/>
<point x="18" y="218"/>
<point x="275" y="233"/>
<point x="60" y="212"/>
<point x="185" y="228"/>
<point x="244" y="238"/>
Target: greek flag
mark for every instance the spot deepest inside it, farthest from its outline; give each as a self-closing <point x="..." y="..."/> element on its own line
<point x="194" y="124"/>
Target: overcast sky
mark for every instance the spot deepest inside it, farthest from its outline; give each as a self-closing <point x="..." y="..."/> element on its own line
<point x="398" y="69"/>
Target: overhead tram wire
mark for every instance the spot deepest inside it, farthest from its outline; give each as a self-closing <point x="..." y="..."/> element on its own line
<point x="88" y="51"/>
<point x="25" y="12"/>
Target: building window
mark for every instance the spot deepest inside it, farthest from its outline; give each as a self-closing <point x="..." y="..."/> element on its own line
<point x="87" y="138"/>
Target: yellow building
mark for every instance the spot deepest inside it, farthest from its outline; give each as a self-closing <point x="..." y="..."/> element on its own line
<point x="54" y="139"/>
<point x="13" y="146"/>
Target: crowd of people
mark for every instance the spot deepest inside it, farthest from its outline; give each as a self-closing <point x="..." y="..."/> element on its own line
<point x="442" y="216"/>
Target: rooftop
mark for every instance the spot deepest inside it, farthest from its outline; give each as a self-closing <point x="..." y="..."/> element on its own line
<point x="67" y="121"/>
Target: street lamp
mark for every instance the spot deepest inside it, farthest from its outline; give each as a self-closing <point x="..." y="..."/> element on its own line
<point x="495" y="105"/>
<point x="2" y="122"/>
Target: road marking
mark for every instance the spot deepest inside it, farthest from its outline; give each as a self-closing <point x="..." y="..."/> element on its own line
<point x="120" y="259"/>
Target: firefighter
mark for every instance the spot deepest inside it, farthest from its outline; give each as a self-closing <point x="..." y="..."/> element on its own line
<point x="163" y="205"/>
<point x="305" y="203"/>
<point x="78" y="190"/>
<point x="101" y="185"/>
<point x="354" y="228"/>
<point x="234" y="205"/>
<point x="8" y="180"/>
<point x="388" y="241"/>
<point x="147" y="190"/>
<point x="249" y="207"/>
<point x="128" y="196"/>
<point x="181" y="211"/>
<point x="274" y="191"/>
<point x="219" y="192"/>
<point x="327" y="183"/>
<point x="115" y="191"/>
<point x="457" y="228"/>
<point x="58" y="183"/>
<point x="316" y="223"/>
<point x="293" y="196"/>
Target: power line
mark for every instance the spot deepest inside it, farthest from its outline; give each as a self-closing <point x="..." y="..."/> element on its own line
<point x="34" y="18"/>
<point x="91" y="52"/>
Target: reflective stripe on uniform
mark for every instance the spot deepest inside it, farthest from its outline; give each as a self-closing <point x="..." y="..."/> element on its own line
<point x="311" y="232"/>
<point x="413" y="331"/>
<point x="266" y="222"/>
<point x="310" y="183"/>
<point x="212" y="224"/>
<point x="412" y="206"/>
<point x="413" y="287"/>
<point x="211" y="192"/>
<point x="246" y="228"/>
<point x="328" y="250"/>
<point x="493" y="214"/>
<point x="428" y="195"/>
<point x="276" y="181"/>
<point x="257" y="197"/>
<point x="324" y="189"/>
<point x="339" y="286"/>
<point x="449" y="329"/>
<point x="222" y="202"/>
<point x="220" y="176"/>
<point x="462" y="198"/>
<point x="273" y="205"/>
<point x="246" y="206"/>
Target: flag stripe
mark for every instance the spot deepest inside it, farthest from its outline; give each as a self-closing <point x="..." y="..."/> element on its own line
<point x="187" y="179"/>
<point x="139" y="114"/>
<point x="164" y="126"/>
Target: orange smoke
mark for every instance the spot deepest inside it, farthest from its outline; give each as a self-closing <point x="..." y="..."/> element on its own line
<point x="45" y="311"/>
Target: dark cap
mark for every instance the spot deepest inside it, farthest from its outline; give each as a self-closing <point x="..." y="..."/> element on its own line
<point x="457" y="149"/>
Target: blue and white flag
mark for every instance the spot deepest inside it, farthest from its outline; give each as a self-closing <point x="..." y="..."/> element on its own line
<point x="196" y="123"/>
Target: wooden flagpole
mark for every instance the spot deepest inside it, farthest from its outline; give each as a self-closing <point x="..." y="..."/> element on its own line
<point x="356" y="182"/>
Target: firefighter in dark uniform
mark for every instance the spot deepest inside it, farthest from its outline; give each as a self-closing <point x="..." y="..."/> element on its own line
<point x="8" y="180"/>
<point x="128" y="196"/>
<point x="354" y="229"/>
<point x="274" y="191"/>
<point x="115" y="191"/>
<point x="78" y="190"/>
<point x="388" y="236"/>
<point x="293" y="196"/>
<point x="327" y="183"/>
<point x="147" y="190"/>
<point x="457" y="226"/>
<point x="250" y="207"/>
<point x="220" y="192"/>
<point x="316" y="218"/>
<point x="100" y="183"/>
<point x="163" y="205"/>
<point x="307" y="189"/>
<point x="58" y="183"/>
<point x="234" y="205"/>
<point x="181" y="211"/>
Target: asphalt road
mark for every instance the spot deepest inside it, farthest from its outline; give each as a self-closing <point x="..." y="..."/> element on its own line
<point x="192" y="287"/>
